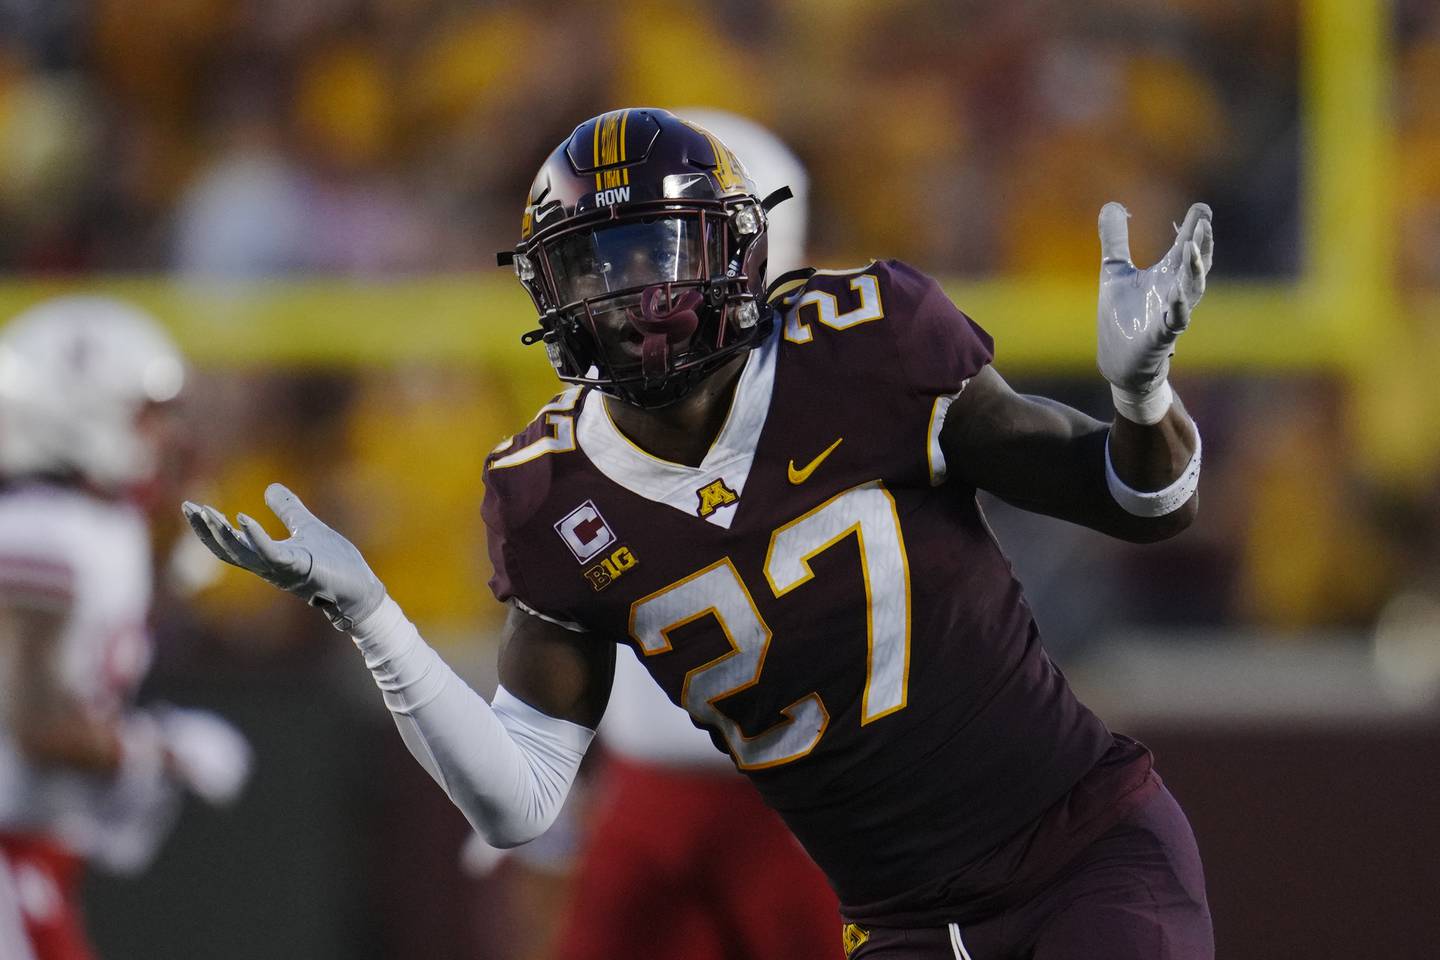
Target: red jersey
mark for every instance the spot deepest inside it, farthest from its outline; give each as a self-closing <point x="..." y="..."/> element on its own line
<point x="829" y="604"/>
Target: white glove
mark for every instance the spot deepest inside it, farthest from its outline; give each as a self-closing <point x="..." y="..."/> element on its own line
<point x="315" y="563"/>
<point x="205" y="753"/>
<point x="1142" y="312"/>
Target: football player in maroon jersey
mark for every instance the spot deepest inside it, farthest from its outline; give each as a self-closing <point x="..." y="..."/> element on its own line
<point x="768" y="492"/>
<point x="677" y="844"/>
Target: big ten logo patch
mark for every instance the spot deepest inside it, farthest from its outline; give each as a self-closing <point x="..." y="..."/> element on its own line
<point x="713" y="496"/>
<point x="585" y="532"/>
<point x="610" y="569"/>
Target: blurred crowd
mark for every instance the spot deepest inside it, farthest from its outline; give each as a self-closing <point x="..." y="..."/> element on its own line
<point x="376" y="138"/>
<point x="1417" y="187"/>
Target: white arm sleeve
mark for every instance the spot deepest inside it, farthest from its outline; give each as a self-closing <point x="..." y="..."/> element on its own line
<point x="507" y="767"/>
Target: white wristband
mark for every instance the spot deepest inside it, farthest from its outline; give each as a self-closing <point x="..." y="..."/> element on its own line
<point x="1145" y="408"/>
<point x="1156" y="503"/>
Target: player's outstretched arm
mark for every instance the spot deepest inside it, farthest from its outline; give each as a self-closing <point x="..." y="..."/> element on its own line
<point x="557" y="671"/>
<point x="1134" y="478"/>
<point x="1046" y="457"/>
<point x="508" y="764"/>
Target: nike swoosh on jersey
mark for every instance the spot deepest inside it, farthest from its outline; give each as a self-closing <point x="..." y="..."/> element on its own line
<point x="803" y="473"/>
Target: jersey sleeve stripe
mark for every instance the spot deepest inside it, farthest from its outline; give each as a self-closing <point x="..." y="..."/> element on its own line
<point x="567" y="624"/>
<point x="41" y="578"/>
<point x="29" y="562"/>
<point x="933" y="452"/>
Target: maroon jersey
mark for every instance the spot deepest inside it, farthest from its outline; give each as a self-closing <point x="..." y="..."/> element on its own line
<point x="821" y="600"/>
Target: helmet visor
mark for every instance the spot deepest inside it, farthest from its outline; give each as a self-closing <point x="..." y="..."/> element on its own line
<point x="626" y="256"/>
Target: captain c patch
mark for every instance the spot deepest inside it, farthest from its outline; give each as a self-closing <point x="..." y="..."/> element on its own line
<point x="585" y="532"/>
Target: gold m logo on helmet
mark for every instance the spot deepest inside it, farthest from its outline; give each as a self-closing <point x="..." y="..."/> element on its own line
<point x="729" y="173"/>
<point x="713" y="496"/>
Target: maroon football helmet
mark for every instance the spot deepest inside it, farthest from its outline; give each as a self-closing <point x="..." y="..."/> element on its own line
<point x="643" y="246"/>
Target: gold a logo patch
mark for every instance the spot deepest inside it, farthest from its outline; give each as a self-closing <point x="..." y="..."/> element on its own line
<point x="713" y="496"/>
<point x="854" y="937"/>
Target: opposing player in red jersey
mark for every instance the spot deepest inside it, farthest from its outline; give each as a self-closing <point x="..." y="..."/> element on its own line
<point x="85" y="777"/>
<point x="768" y="491"/>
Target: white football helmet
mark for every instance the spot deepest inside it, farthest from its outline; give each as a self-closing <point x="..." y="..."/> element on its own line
<point x="75" y="374"/>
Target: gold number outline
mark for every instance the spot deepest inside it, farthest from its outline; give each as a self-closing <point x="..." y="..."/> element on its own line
<point x="560" y="418"/>
<point x="735" y="737"/>
<point x="827" y="309"/>
<point x="793" y="709"/>
<point x="857" y="528"/>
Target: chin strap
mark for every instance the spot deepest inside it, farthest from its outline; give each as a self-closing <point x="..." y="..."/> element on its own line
<point x="663" y="322"/>
<point x="776" y="198"/>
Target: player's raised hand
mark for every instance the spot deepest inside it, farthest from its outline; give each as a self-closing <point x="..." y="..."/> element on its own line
<point x="315" y="563"/>
<point x="1142" y="311"/>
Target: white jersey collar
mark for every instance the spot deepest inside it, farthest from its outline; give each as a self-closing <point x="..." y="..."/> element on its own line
<point x="677" y="485"/>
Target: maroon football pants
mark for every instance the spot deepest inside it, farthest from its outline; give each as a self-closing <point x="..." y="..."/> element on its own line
<point x="1137" y="893"/>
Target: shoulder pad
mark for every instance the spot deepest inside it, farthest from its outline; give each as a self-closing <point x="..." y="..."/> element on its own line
<point x="519" y="470"/>
<point x="837" y="299"/>
<point x="551" y="431"/>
